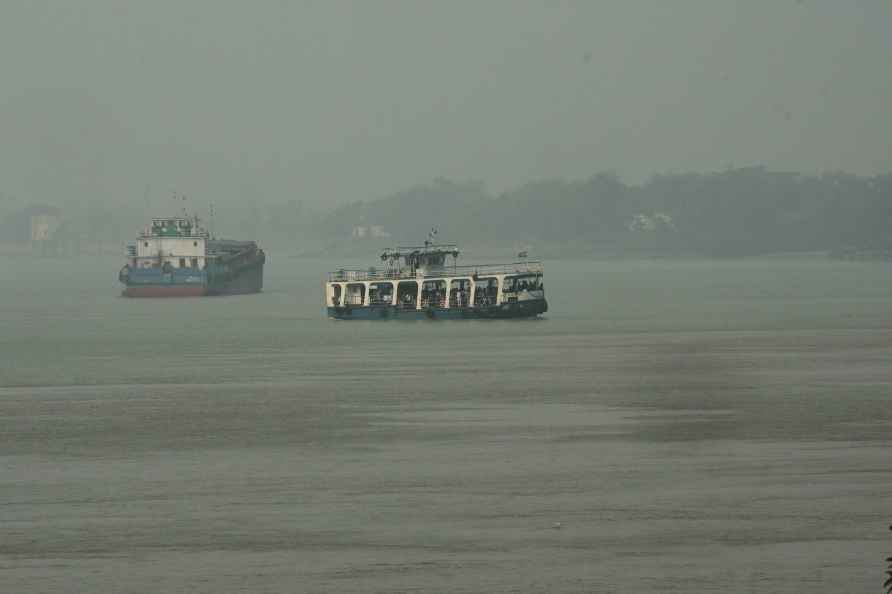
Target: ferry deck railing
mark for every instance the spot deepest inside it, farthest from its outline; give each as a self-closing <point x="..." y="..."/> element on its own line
<point x="372" y="274"/>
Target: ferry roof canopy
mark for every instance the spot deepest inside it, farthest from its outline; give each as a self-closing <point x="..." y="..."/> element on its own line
<point x="446" y="249"/>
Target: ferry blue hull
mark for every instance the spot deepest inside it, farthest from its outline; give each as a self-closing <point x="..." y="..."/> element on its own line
<point x="522" y="309"/>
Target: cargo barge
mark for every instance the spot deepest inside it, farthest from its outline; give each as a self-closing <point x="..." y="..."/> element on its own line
<point x="175" y="257"/>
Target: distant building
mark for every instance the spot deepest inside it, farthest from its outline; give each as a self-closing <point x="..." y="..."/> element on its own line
<point x="35" y="223"/>
<point x="369" y="231"/>
<point x="657" y="221"/>
<point x="44" y="226"/>
<point x="41" y="227"/>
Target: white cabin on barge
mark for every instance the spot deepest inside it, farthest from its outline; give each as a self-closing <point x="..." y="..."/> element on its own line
<point x="175" y="242"/>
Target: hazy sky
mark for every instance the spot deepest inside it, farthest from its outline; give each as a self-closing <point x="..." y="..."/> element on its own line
<point x="328" y="101"/>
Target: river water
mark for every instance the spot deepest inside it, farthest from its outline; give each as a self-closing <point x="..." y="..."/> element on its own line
<point x="670" y="426"/>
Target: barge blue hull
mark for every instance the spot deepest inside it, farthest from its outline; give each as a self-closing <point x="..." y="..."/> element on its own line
<point x="522" y="309"/>
<point x="189" y="282"/>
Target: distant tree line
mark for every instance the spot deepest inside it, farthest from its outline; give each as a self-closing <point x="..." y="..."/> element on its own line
<point x="738" y="212"/>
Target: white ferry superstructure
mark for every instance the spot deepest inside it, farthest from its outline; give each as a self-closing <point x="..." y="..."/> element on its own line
<point x="420" y="282"/>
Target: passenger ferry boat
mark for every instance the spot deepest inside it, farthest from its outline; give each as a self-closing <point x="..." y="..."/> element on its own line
<point x="175" y="257"/>
<point x="421" y="282"/>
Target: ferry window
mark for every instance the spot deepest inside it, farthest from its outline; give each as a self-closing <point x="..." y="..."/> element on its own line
<point x="145" y="244"/>
<point x="182" y="262"/>
<point x="356" y="294"/>
<point x="406" y="294"/>
<point x="195" y="244"/>
<point x="381" y="293"/>
<point x="485" y="291"/>
<point x="509" y="285"/>
<point x="460" y="293"/>
<point x="433" y="293"/>
<point x="530" y="282"/>
<point x="336" y="295"/>
<point x="194" y="262"/>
